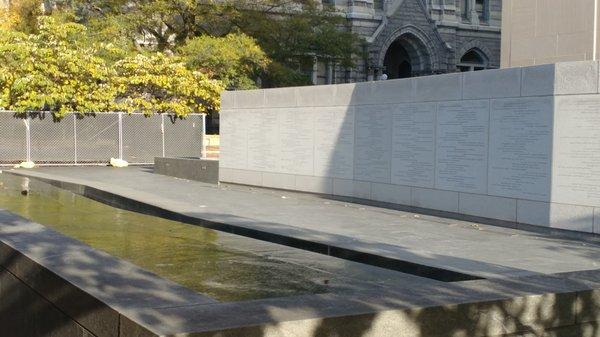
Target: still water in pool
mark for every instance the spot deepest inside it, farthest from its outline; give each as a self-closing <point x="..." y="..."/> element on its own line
<point x="224" y="266"/>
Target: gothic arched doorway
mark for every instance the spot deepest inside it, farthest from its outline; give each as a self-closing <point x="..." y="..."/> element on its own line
<point x="406" y="57"/>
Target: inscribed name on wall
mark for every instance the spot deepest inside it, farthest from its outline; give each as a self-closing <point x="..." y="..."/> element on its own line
<point x="462" y="146"/>
<point x="521" y="148"/>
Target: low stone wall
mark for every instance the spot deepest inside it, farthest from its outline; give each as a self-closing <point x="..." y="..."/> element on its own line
<point x="203" y="170"/>
<point x="519" y="145"/>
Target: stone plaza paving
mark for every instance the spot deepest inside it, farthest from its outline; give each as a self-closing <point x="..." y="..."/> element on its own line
<point x="475" y="249"/>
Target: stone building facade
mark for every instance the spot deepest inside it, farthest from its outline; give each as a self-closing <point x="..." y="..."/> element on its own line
<point x="407" y="38"/>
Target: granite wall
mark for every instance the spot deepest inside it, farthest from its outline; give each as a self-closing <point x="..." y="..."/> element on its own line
<point x="520" y="145"/>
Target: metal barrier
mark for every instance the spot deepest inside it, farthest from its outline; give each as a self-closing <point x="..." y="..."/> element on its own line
<point x="95" y="138"/>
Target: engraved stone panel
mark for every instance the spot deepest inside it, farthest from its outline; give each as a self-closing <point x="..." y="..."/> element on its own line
<point x="413" y="144"/>
<point x="521" y="148"/>
<point x="373" y="143"/>
<point x="461" y="146"/>
<point x="576" y="177"/>
<point x="234" y="137"/>
<point x="334" y="142"/>
<point x="296" y="140"/>
<point x="263" y="144"/>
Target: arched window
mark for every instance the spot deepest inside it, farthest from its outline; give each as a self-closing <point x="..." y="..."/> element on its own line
<point x="473" y="60"/>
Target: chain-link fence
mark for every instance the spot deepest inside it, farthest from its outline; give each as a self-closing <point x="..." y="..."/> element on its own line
<point x="94" y="139"/>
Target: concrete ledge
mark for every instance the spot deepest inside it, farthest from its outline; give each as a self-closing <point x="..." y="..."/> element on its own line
<point x="74" y="299"/>
<point x="89" y="289"/>
<point x="249" y="99"/>
<point x="499" y="83"/>
<point x="564" y="78"/>
<point x="515" y="305"/>
<point x="227" y="100"/>
<point x="203" y="170"/>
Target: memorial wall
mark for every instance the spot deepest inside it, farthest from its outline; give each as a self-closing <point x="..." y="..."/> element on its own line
<point x="520" y="145"/>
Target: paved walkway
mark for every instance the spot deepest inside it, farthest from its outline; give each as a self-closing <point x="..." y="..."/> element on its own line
<point x="475" y="249"/>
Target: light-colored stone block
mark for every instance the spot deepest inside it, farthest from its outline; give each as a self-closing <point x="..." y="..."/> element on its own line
<point x="279" y="180"/>
<point x="438" y="88"/>
<point x="488" y="206"/>
<point x="248" y="99"/>
<point x="281" y="98"/>
<point x="243" y="177"/>
<point x="334" y="142"/>
<point x="363" y="93"/>
<point x="562" y="78"/>
<point x="227" y="100"/>
<point x="495" y="83"/>
<point x="233" y="139"/>
<point x="314" y="184"/>
<point x="520" y="152"/>
<point x="362" y="189"/>
<point x="554" y="215"/>
<point x="576" y="156"/>
<point x="343" y="187"/>
<point x="413" y="144"/>
<point x="538" y="80"/>
<point x="345" y="94"/>
<point x="296" y="141"/>
<point x="352" y="188"/>
<point x="316" y="95"/>
<point x="394" y="194"/>
<point x="576" y="78"/>
<point x="435" y="199"/>
<point x="462" y="146"/>
<point x="373" y="138"/>
<point x="572" y="217"/>
<point x="262" y="126"/>
<point x="393" y="91"/>
<point x="225" y="174"/>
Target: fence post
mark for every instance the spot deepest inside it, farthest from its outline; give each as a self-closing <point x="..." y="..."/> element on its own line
<point x="28" y="137"/>
<point x="162" y="132"/>
<point x="120" y="116"/>
<point x="203" y="139"/>
<point x="75" y="135"/>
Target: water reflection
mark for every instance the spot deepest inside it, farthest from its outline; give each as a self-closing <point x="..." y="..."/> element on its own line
<point x="200" y="259"/>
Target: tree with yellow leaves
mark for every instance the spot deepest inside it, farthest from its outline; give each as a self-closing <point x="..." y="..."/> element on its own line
<point x="60" y="69"/>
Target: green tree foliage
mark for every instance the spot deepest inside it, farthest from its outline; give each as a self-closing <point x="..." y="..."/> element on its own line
<point x="235" y="59"/>
<point x="62" y="69"/>
<point x="291" y="32"/>
<point x="52" y="70"/>
<point x="161" y="84"/>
